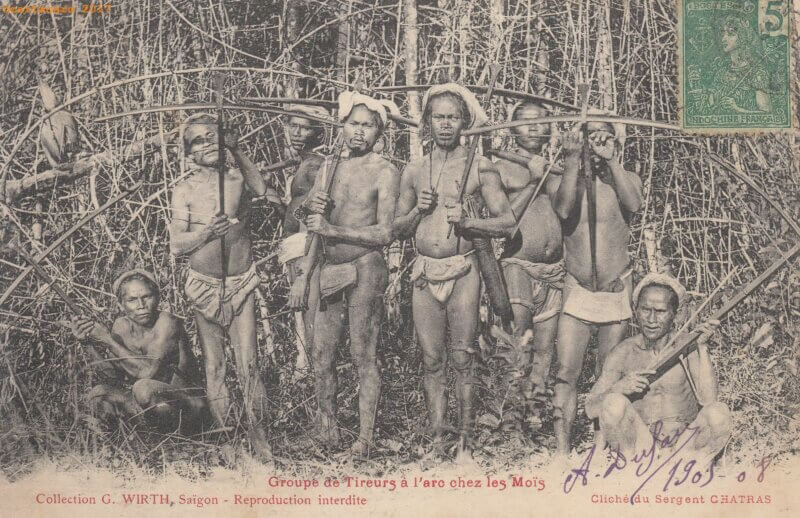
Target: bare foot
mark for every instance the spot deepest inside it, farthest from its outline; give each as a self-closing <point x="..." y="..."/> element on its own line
<point x="260" y="445"/>
<point x="360" y="449"/>
<point x="464" y="450"/>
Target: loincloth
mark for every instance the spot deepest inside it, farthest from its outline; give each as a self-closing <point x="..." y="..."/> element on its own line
<point x="292" y="247"/>
<point x="335" y="279"/>
<point x="203" y="292"/>
<point x="439" y="275"/>
<point x="546" y="281"/>
<point x="598" y="307"/>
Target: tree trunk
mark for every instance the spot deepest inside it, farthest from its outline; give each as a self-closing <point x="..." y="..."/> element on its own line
<point x="343" y="42"/>
<point x="410" y="39"/>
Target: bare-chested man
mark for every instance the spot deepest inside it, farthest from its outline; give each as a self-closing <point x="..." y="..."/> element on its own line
<point x="618" y="195"/>
<point x="196" y="230"/>
<point x="632" y="411"/>
<point x="532" y="260"/>
<point x="149" y="348"/>
<point x="304" y="136"/>
<point x="353" y="275"/>
<point x="446" y="278"/>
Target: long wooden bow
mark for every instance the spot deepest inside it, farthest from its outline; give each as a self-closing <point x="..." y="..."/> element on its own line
<point x="213" y="106"/>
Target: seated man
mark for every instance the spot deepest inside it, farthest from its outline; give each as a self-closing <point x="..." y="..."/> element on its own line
<point x="148" y="347"/>
<point x="632" y="410"/>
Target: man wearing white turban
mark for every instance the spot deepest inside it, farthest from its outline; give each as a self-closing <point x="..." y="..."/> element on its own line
<point x="635" y="413"/>
<point x="355" y="223"/>
<point x="447" y="281"/>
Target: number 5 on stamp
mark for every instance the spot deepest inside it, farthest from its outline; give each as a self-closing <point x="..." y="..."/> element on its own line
<point x="734" y="65"/>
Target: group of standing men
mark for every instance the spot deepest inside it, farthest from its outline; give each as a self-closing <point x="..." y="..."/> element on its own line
<point x="346" y="208"/>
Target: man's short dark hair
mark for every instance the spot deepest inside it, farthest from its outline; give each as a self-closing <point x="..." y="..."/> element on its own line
<point x="137" y="277"/>
<point x="674" y="300"/>
<point x="198" y="118"/>
<point x="462" y="107"/>
<point x="527" y="104"/>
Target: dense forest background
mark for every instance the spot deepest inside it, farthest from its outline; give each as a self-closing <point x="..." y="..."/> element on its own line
<point x="706" y="217"/>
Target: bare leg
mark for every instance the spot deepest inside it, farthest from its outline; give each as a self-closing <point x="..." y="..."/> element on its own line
<point x="623" y="427"/>
<point x="573" y="338"/>
<point x="212" y="339"/>
<point x="169" y="406"/>
<point x="544" y="337"/>
<point x="328" y="332"/>
<point x="462" y="319"/>
<point x="430" y="324"/>
<point x="714" y="424"/>
<point x="304" y="322"/>
<point x="244" y="343"/>
<point x="366" y="310"/>
<point x="311" y="313"/>
<point x="108" y="402"/>
<point x="608" y="336"/>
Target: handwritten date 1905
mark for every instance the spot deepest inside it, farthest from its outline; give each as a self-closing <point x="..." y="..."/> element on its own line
<point x="665" y="456"/>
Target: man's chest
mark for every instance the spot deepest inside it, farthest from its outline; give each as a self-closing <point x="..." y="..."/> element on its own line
<point x="445" y="177"/>
<point x="204" y="197"/>
<point x="353" y="190"/>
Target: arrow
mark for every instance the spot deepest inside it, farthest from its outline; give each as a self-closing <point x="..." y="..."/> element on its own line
<point x="611" y="119"/>
<point x="494" y="70"/>
<point x="499" y="91"/>
<point x="321" y="102"/>
<point x="213" y="106"/>
<point x="222" y="155"/>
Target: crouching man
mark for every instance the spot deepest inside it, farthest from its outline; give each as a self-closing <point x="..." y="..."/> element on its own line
<point x="634" y="412"/>
<point x="353" y="275"/>
<point x="149" y="348"/>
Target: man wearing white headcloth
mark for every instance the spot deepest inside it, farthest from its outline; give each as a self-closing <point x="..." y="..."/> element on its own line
<point x="446" y="278"/>
<point x="304" y="134"/>
<point x="355" y="223"/>
<point x="680" y="405"/>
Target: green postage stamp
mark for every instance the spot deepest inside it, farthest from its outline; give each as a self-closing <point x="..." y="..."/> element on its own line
<point x="735" y="65"/>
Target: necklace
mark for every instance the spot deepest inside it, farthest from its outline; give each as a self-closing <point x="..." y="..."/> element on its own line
<point x="430" y="172"/>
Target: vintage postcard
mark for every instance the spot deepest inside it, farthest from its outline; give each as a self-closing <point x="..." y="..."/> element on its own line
<point x="399" y="258"/>
<point x="735" y="65"/>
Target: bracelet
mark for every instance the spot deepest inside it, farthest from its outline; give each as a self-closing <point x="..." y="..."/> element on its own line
<point x="301" y="212"/>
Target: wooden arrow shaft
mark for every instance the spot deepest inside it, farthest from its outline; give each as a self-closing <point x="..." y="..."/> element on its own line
<point x="213" y="106"/>
<point x="219" y="83"/>
<point x="689" y="340"/>
<point x="499" y="91"/>
<point x="473" y="145"/>
<point x="611" y="119"/>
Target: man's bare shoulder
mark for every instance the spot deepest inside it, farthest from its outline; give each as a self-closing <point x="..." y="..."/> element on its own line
<point x="625" y="347"/>
<point x="416" y="165"/>
<point x="384" y="166"/>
